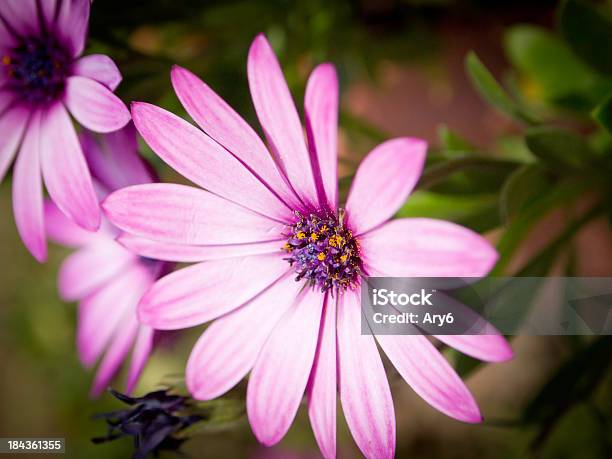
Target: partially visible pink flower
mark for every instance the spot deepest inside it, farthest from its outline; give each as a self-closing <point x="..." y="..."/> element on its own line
<point x="281" y="262"/>
<point x="105" y="278"/>
<point x="42" y="79"/>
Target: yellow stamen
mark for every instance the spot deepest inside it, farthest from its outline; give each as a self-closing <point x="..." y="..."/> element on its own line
<point x="287" y="247"/>
<point x="321" y="256"/>
<point x="314" y="237"/>
<point x="343" y="258"/>
<point x="301" y="235"/>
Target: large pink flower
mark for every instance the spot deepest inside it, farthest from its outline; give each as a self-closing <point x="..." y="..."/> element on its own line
<point x="42" y="79"/>
<point x="271" y="217"/>
<point x="105" y="278"/>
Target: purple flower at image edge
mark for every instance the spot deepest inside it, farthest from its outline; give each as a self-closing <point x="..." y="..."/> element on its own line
<point x="42" y="80"/>
<point x="271" y="217"/>
<point x="107" y="279"/>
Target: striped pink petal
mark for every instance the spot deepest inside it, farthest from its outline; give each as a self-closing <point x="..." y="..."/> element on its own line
<point x="90" y="268"/>
<point x="65" y="171"/>
<point x="12" y="126"/>
<point x="28" y="193"/>
<point x="195" y="253"/>
<point x="430" y="375"/>
<point x="383" y="182"/>
<point x="321" y="110"/>
<point x="279" y="377"/>
<point x="180" y="214"/>
<point x="205" y="291"/>
<point x="422" y="247"/>
<point x="364" y="389"/>
<point x="229" y="347"/>
<point x="228" y="128"/>
<point x="94" y="105"/>
<point x="279" y="118"/>
<point x="322" y="386"/>
<point x="72" y="21"/>
<point x="100" y="68"/>
<point x="140" y="354"/>
<point x="202" y="160"/>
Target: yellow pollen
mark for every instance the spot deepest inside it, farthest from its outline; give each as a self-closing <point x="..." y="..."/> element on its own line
<point x="287" y="247"/>
<point x="301" y="235"/>
<point x="343" y="258"/>
<point x="6" y="60"/>
<point x="324" y="228"/>
<point x="314" y="237"/>
<point x="321" y="256"/>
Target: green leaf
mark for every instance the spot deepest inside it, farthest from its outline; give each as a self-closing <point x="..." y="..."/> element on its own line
<point x="467" y="174"/>
<point x="555" y="71"/>
<point x="479" y="212"/>
<point x="561" y="195"/>
<point x="588" y="32"/>
<point x="451" y="141"/>
<point x="559" y="148"/>
<point x="519" y="191"/>
<point x="603" y="113"/>
<point x="574" y="382"/>
<point x="492" y="91"/>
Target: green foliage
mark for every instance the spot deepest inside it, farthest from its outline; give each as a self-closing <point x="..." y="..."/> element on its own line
<point x="589" y="33"/>
<point x="492" y="92"/>
<point x="553" y="70"/>
<point x="559" y="149"/>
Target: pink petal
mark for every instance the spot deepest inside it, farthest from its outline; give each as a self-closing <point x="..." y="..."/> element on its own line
<point x="64" y="231"/>
<point x="364" y="390"/>
<point x="422" y="247"/>
<point x="7" y="37"/>
<point x="321" y="112"/>
<point x="114" y="160"/>
<point x="49" y="10"/>
<point x="21" y="16"/>
<point x="224" y="125"/>
<point x="12" y="125"/>
<point x="28" y="193"/>
<point x="203" y="161"/>
<point x="100" y="68"/>
<point x="7" y="97"/>
<point x="430" y="375"/>
<point x="279" y="377"/>
<point x="117" y="351"/>
<point x="94" y="105"/>
<point x="229" y="347"/>
<point x="65" y="171"/>
<point x="383" y="182"/>
<point x="101" y="314"/>
<point x="205" y="291"/>
<point x="72" y="22"/>
<point x="489" y="348"/>
<point x="88" y="269"/>
<point x="181" y="214"/>
<point x="279" y="118"/>
<point x="195" y="253"/>
<point x="322" y="384"/>
<point x="140" y="355"/>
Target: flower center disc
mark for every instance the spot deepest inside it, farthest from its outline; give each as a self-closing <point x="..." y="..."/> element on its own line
<point x="37" y="69"/>
<point x="323" y="251"/>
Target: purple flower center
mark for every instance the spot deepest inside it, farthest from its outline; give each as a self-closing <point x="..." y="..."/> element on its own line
<point x="37" y="69"/>
<point x="323" y="251"/>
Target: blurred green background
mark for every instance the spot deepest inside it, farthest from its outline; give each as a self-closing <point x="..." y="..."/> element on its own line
<point x="520" y="150"/>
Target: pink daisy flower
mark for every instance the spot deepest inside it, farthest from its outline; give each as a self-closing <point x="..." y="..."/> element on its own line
<point x="42" y="79"/>
<point x="105" y="278"/>
<point x="281" y="262"/>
